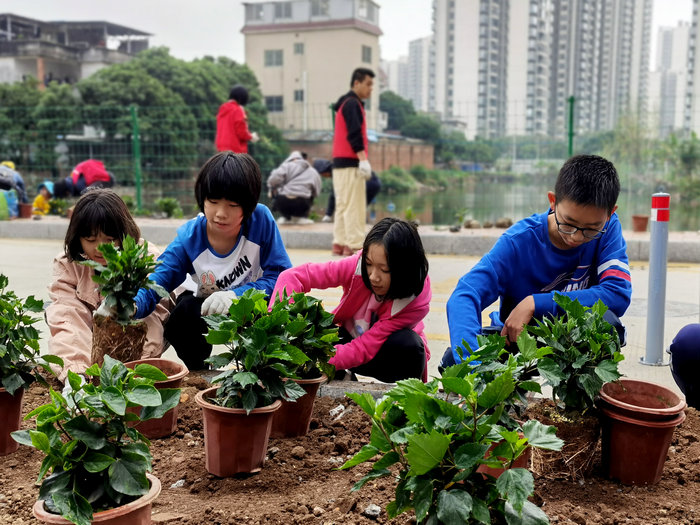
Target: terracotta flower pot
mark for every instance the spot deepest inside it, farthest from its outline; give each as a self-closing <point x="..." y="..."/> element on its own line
<point x="176" y="372"/>
<point x="523" y="461"/>
<point x="11" y="416"/>
<point x="293" y="417"/>
<point x="640" y="223"/>
<point x="637" y="430"/>
<point x="233" y="441"/>
<point x="137" y="512"/>
<point x="25" y="210"/>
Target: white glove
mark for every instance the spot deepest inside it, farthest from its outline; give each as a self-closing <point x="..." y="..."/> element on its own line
<point x="365" y="169"/>
<point x="255" y="137"/>
<point x="218" y="302"/>
<point x="105" y="311"/>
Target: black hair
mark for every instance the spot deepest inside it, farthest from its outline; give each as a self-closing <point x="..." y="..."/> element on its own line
<point x="359" y="75"/>
<point x="323" y="166"/>
<point x="98" y="210"/>
<point x="404" y="255"/>
<point x="60" y="189"/>
<point x="588" y="180"/>
<point x="232" y="176"/>
<point x="239" y="94"/>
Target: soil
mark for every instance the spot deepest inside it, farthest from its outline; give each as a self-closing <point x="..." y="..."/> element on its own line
<point x="300" y="484"/>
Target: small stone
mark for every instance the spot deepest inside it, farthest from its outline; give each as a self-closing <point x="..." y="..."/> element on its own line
<point x="298" y="452"/>
<point x="337" y="410"/>
<point x="318" y="511"/>
<point x="188" y="436"/>
<point x="273" y="451"/>
<point x="372" y="511"/>
<point x="178" y="484"/>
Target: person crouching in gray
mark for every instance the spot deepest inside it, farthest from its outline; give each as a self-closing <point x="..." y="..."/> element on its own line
<point x="293" y="186"/>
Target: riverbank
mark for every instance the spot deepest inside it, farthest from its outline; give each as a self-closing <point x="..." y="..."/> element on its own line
<point x="437" y="240"/>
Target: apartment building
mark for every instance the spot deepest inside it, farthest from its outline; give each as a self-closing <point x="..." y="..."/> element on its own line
<point x="64" y="51"/>
<point x="691" y="110"/>
<point x="303" y="53"/>
<point x="417" y="71"/>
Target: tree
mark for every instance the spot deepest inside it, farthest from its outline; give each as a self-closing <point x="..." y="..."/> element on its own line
<point x="16" y="121"/>
<point x="398" y="109"/>
<point x="422" y="127"/>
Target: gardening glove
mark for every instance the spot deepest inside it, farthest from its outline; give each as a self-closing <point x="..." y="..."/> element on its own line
<point x="365" y="169"/>
<point x="105" y="311"/>
<point x="218" y="302"/>
<point x="254" y="137"/>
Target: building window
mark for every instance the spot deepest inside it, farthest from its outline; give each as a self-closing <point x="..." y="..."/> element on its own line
<point x="274" y="104"/>
<point x="298" y="48"/>
<point x="253" y="12"/>
<point x="319" y="7"/>
<point x="273" y="57"/>
<point x="298" y="95"/>
<point x="367" y="54"/>
<point x="283" y="10"/>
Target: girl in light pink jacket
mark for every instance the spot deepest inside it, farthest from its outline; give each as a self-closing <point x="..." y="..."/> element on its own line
<point x="386" y="296"/>
<point x="100" y="216"/>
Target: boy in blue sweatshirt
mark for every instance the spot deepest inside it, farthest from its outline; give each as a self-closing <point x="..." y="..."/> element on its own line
<point x="575" y="248"/>
<point x="233" y="245"/>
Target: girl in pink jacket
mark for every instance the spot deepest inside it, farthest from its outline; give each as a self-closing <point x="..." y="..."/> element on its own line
<point x="100" y="216"/>
<point x="386" y="296"/>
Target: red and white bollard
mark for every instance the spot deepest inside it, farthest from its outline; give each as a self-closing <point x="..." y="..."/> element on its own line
<point x="656" y="302"/>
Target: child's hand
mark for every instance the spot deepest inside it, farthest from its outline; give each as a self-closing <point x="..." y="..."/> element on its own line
<point x="218" y="302"/>
<point x="518" y="318"/>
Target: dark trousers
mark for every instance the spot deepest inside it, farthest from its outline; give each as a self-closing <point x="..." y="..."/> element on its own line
<point x="297" y="207"/>
<point x="401" y="356"/>
<point x="185" y="331"/>
<point x="685" y="362"/>
<point x="372" y="187"/>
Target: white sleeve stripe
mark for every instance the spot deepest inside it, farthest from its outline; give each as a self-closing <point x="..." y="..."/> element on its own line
<point x="613" y="262"/>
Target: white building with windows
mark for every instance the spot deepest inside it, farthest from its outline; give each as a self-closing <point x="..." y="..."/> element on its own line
<point x="303" y="53"/>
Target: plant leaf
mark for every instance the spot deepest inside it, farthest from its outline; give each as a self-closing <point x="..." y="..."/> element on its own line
<point x="531" y="515"/>
<point x="454" y="507"/>
<point x="425" y="451"/>
<point x="366" y="453"/>
<point x="542" y="436"/>
<point x="515" y="485"/>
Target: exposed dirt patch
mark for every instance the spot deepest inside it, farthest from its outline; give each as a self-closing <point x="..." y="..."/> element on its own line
<point x="299" y="484"/>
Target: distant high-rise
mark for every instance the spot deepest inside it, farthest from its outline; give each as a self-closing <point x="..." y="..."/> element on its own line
<point x="691" y="117"/>
<point x="419" y="51"/>
<point x="509" y="66"/>
<point x="303" y="53"/>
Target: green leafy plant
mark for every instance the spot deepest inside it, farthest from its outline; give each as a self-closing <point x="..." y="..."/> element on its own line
<point x="129" y="202"/>
<point x="438" y="439"/>
<point x="170" y="207"/>
<point x="585" y="352"/>
<point x="20" y="362"/>
<point x="260" y="355"/>
<point x="96" y="460"/>
<point x="58" y="207"/>
<point x="311" y="329"/>
<point x="126" y="270"/>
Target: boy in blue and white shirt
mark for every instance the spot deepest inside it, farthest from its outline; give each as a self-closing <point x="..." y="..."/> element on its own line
<point x="234" y="245"/>
<point x="576" y="249"/>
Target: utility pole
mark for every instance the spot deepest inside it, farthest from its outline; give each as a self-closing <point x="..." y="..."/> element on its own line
<point x="571" y="100"/>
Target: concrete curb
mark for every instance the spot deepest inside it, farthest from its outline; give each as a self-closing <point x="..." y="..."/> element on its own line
<point x="685" y="247"/>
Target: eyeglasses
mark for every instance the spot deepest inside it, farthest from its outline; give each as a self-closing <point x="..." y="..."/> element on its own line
<point x="568" y="229"/>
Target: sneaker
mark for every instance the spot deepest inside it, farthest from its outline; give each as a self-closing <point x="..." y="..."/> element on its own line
<point x="281" y="220"/>
<point x="327" y="218"/>
<point x="304" y="220"/>
<point x="337" y="249"/>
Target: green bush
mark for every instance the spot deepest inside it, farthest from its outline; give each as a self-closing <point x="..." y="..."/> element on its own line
<point x="397" y="180"/>
<point x="169" y="206"/>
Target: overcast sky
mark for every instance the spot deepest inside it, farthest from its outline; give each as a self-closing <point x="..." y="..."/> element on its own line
<point x="193" y="28"/>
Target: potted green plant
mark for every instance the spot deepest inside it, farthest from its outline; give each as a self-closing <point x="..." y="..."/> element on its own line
<point x="20" y="362"/>
<point x="312" y="330"/>
<point x="125" y="271"/>
<point x="97" y="464"/>
<point x="584" y="354"/>
<point x="237" y="413"/>
<point x="436" y="435"/>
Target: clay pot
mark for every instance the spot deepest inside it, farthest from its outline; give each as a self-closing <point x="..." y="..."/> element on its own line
<point x="11" y="417"/>
<point x="25" y="210"/>
<point x="233" y="440"/>
<point x="637" y="429"/>
<point x="293" y="417"/>
<point x="523" y="461"/>
<point x="640" y="223"/>
<point x="176" y="372"/>
<point x="137" y="512"/>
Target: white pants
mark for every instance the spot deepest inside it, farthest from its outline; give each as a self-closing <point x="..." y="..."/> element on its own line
<point x="350" y="207"/>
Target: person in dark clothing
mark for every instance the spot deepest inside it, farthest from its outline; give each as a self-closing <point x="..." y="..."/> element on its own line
<point x="351" y="165"/>
<point x="685" y="362"/>
<point x="325" y="169"/>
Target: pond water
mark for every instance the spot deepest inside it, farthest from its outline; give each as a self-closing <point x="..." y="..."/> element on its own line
<point x="486" y="200"/>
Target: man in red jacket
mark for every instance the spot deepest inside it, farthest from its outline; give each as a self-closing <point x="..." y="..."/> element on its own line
<point x="232" y="125"/>
<point x="351" y="167"/>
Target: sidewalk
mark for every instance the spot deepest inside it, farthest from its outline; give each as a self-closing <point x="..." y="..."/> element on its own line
<point x="28" y="264"/>
<point x="682" y="246"/>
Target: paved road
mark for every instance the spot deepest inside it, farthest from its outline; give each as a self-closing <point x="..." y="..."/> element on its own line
<point x="28" y="265"/>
